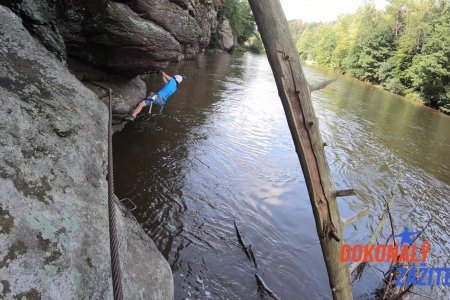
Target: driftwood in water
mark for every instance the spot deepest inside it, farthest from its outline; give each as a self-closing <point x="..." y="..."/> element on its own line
<point x="380" y="226"/>
<point x="295" y="95"/>
<point x="248" y="249"/>
<point x="252" y="255"/>
<point x="356" y="217"/>
<point x="321" y="85"/>
<point x="264" y="286"/>
<point x="241" y="241"/>
<point x="390" y="289"/>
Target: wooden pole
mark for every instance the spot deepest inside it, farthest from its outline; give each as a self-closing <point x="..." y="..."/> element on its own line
<point x="295" y="95"/>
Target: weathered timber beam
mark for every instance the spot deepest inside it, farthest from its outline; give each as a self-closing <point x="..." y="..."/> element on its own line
<point x="345" y="193"/>
<point x="321" y="85"/>
<point x="295" y="95"/>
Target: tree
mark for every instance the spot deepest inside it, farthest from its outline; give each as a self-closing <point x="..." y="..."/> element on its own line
<point x="430" y="70"/>
<point x="344" y="41"/>
<point x="405" y="48"/>
<point x="240" y="17"/>
<point x="378" y="49"/>
<point x="305" y="43"/>
<point x="295" y="94"/>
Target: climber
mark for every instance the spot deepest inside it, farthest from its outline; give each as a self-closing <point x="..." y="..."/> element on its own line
<point x="161" y="97"/>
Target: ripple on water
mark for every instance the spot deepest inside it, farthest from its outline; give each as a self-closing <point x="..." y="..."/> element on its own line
<point x="222" y="152"/>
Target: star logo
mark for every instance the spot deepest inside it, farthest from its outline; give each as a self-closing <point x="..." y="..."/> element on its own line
<point x="406" y="236"/>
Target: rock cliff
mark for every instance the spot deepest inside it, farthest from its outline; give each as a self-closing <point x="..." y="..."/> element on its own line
<point x="128" y="37"/>
<point x="122" y="39"/>
<point x="54" y="241"/>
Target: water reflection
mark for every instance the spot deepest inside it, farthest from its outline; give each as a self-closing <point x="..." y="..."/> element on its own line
<point x="222" y="152"/>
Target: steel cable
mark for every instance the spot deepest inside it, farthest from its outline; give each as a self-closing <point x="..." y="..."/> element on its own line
<point x="114" y="245"/>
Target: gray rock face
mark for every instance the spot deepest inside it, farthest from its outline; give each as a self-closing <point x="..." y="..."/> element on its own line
<point x="54" y="241"/>
<point x="128" y="37"/>
<point x="146" y="275"/>
<point x="127" y="43"/>
<point x="171" y="17"/>
<point x="126" y="93"/>
<point x="40" y="18"/>
<point x="225" y="35"/>
<point x="125" y="96"/>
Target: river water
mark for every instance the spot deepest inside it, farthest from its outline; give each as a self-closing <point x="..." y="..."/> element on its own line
<point x="221" y="151"/>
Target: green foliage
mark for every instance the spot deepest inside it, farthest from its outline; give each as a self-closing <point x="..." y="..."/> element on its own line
<point x="405" y="48"/>
<point x="255" y="44"/>
<point x="306" y="44"/>
<point x="241" y="19"/>
<point x="430" y="71"/>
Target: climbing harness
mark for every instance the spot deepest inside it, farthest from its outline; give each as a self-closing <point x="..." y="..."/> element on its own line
<point x="150" y="108"/>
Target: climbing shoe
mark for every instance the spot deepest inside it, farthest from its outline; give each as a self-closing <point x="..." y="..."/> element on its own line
<point x="129" y="118"/>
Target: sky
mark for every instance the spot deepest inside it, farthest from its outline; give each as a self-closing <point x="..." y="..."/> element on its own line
<point x="322" y="10"/>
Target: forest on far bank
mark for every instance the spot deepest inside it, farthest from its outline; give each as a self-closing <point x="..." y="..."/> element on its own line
<point x="404" y="47"/>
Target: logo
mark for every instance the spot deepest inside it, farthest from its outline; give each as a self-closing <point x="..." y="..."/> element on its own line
<point x="410" y="259"/>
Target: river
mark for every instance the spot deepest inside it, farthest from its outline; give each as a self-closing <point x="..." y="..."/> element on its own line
<point x="221" y="151"/>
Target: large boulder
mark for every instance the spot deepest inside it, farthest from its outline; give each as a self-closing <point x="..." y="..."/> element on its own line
<point x="127" y="37"/>
<point x="54" y="241"/>
<point x="145" y="273"/>
<point x="225" y="35"/>
<point x="126" y="43"/>
<point x="39" y="18"/>
<point x="126" y="93"/>
<point x="174" y="19"/>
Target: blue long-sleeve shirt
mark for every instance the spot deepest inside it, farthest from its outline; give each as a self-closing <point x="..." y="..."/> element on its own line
<point x="169" y="88"/>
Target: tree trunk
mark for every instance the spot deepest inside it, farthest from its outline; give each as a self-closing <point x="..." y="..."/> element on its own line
<point x="295" y="95"/>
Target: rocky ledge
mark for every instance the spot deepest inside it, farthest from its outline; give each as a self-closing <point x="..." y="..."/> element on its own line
<point x="54" y="241"/>
<point x="126" y="37"/>
<point x="113" y="42"/>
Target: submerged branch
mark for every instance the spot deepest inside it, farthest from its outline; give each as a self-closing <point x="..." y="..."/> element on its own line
<point x="252" y="255"/>
<point x="390" y="220"/>
<point x="262" y="284"/>
<point x="380" y="226"/>
<point x="241" y="241"/>
<point x="417" y="236"/>
<point x="400" y="295"/>
<point x="356" y="217"/>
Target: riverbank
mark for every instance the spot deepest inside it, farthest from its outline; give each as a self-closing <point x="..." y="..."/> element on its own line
<point x="411" y="99"/>
<point x="405" y="47"/>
